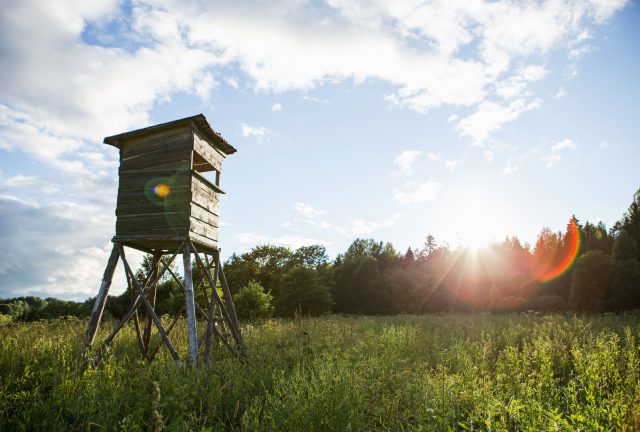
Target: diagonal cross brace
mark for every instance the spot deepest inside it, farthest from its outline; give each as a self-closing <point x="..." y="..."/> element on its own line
<point x="134" y="305"/>
<point x="215" y="295"/>
<point x="174" y="354"/>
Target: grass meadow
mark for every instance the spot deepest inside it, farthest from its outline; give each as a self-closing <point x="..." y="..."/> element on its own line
<point x="475" y="372"/>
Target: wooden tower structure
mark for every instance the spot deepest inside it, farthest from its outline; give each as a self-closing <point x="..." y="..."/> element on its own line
<point x="166" y="207"/>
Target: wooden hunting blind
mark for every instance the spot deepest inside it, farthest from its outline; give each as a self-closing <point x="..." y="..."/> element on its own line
<point x="166" y="204"/>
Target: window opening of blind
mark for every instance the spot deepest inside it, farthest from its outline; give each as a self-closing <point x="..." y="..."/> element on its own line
<point x="204" y="168"/>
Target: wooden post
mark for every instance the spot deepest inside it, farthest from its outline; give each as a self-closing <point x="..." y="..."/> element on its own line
<point x="212" y="310"/>
<point x="151" y="296"/>
<point x="191" y="310"/>
<point x="98" y="307"/>
<point x="136" y="323"/>
<point x="233" y="326"/>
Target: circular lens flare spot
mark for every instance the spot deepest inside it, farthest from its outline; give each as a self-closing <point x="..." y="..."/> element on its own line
<point x="162" y="190"/>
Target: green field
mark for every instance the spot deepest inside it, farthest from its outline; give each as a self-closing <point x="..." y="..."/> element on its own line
<point x="434" y="372"/>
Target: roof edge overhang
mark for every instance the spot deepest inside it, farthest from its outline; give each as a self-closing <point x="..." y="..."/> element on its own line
<point x="198" y="122"/>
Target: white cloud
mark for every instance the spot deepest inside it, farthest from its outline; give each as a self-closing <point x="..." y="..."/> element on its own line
<point x="490" y="116"/>
<point x="307" y="210"/>
<point x="571" y="71"/>
<point x="313" y="99"/>
<point x="452" y="118"/>
<point x="261" y="133"/>
<point x="249" y="238"/>
<point x="509" y="169"/>
<point x="405" y="159"/>
<point x="359" y="227"/>
<point x="320" y="224"/>
<point x="286" y="224"/>
<point x="603" y="145"/>
<point x="488" y="155"/>
<point x="294" y="242"/>
<point x="417" y="192"/>
<point x="561" y="93"/>
<point x="433" y="156"/>
<point x="452" y="164"/>
<point x="276" y="107"/>
<point x="21" y="181"/>
<point x="56" y="249"/>
<point x="232" y="81"/>
<point x="578" y="52"/>
<point x="552" y="157"/>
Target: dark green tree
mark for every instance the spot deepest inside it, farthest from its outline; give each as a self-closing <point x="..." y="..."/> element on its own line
<point x="252" y="302"/>
<point x="591" y="280"/>
<point x="301" y="289"/>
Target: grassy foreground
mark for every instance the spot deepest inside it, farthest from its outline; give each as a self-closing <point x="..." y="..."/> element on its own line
<point x="437" y="372"/>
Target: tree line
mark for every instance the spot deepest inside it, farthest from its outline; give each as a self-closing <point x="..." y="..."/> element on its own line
<point x="586" y="267"/>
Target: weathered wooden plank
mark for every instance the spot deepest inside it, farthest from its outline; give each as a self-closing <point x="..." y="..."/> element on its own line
<point x="207" y="184"/>
<point x="146" y="208"/>
<point x="204" y="215"/>
<point x="208" y="204"/>
<point x="200" y="187"/>
<point x="204" y="241"/>
<point x="203" y="229"/>
<point x="156" y="135"/>
<point x="140" y="180"/>
<point x="148" y="145"/>
<point x="207" y="151"/>
<point x="175" y="166"/>
<point x="139" y="195"/>
<point x="152" y="221"/>
<point x="162" y="156"/>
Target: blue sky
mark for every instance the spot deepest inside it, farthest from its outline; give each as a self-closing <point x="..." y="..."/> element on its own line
<point x="468" y="120"/>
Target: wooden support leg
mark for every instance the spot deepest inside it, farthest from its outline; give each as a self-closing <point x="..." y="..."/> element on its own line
<point x="212" y="309"/>
<point x="174" y="354"/>
<point x="191" y="312"/>
<point x="98" y="307"/>
<point x="232" y="325"/>
<point x="151" y="296"/>
<point x="132" y="296"/>
<point x="226" y="292"/>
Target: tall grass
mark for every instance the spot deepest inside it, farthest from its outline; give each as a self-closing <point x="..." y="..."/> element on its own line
<point x="431" y="373"/>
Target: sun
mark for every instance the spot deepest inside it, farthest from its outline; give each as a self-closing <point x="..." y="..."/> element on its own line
<point x="477" y="219"/>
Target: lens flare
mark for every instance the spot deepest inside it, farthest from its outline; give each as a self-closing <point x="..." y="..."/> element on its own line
<point x="562" y="264"/>
<point x="162" y="190"/>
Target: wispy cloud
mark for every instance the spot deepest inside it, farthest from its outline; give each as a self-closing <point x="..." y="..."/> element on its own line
<point x="294" y="242"/>
<point x="285" y="224"/>
<point x="488" y="156"/>
<point x="452" y="117"/>
<point x="405" y="160"/>
<point x="509" y="169"/>
<point x="360" y="227"/>
<point x="555" y="154"/>
<point x="232" y="81"/>
<point x="307" y="210"/>
<point x="561" y="93"/>
<point x="490" y="116"/>
<point x="320" y="224"/>
<point x="249" y="238"/>
<point x="314" y="99"/>
<point x="417" y="192"/>
<point x="276" y="107"/>
<point x="261" y="133"/>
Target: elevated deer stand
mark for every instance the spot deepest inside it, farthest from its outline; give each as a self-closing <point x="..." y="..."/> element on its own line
<point x="166" y="207"/>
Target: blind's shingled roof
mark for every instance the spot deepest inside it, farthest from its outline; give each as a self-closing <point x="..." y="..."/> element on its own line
<point x="199" y="121"/>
